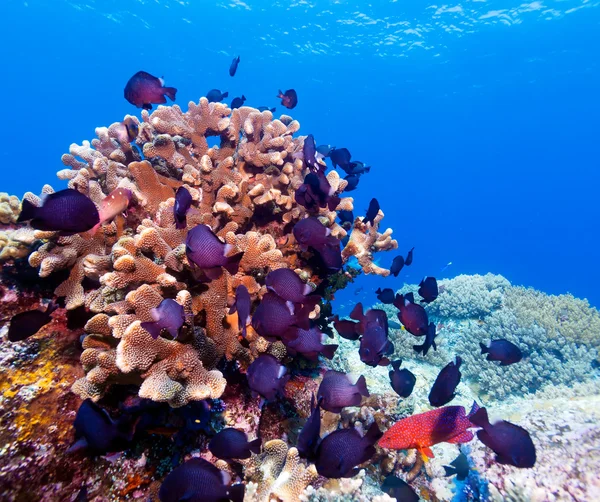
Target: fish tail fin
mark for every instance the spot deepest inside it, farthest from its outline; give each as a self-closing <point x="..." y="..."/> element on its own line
<point x="480" y="418"/>
<point x="450" y="471"/>
<point x="255" y="445"/>
<point x="243" y="98"/>
<point x="233" y="263"/>
<point x="361" y="385"/>
<point x="180" y="224"/>
<point x="236" y="492"/>
<point x="484" y="348"/>
<point x="333" y="202"/>
<point x="373" y="433"/>
<point x="152" y="328"/>
<point x="419" y="349"/>
<point x="170" y="92"/>
<point x="329" y="351"/>
<point x="280" y="95"/>
<point x="367" y="169"/>
<point x="273" y="110"/>
<point x="357" y="312"/>
<point x="396" y="364"/>
<point x="225" y="94"/>
<point x="233" y="308"/>
<point x="28" y="211"/>
<point x="426" y="453"/>
<point x="398" y="301"/>
<point x="474" y="408"/>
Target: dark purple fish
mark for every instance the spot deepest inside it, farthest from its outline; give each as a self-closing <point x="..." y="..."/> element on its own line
<point x="143" y="90"/>
<point x="397" y="265"/>
<point x="346" y="329"/>
<point x="459" y="466"/>
<point x="409" y="257"/>
<point x="337" y="391"/>
<point x="428" y="289"/>
<point x="411" y="315"/>
<point x="444" y="387"/>
<point x="197" y="480"/>
<point x="98" y="433"/>
<point x="233" y="444"/>
<point x="342" y="450"/>
<point x="242" y="305"/>
<point x="372" y="212"/>
<point x="183" y="201"/>
<point x="311" y="232"/>
<point x="340" y="157"/>
<point x="429" y="340"/>
<point x="274" y="317"/>
<point x="207" y="252"/>
<point x="374" y="346"/>
<point x="265" y="108"/>
<point x="168" y="315"/>
<point x="289" y="98"/>
<point x="502" y="350"/>
<point x="402" y="380"/>
<point x="26" y="324"/>
<point x="371" y="316"/>
<point x="399" y="489"/>
<point x="215" y="95"/>
<point x="325" y="150"/>
<point x="237" y="102"/>
<point x="386" y="295"/>
<point x="511" y="444"/>
<point x="352" y="180"/>
<point x="308" y="438"/>
<point x="316" y="192"/>
<point x="286" y="284"/>
<point x="267" y="377"/>
<point x="234" y="66"/>
<point x="67" y="211"/>
<point x="331" y="256"/>
<point x="309" y="343"/>
<point x="357" y="167"/>
<point x="346" y="218"/>
<point x="309" y="151"/>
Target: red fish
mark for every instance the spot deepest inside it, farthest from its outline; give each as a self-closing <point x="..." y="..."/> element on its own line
<point x="444" y="425"/>
<point x="115" y="203"/>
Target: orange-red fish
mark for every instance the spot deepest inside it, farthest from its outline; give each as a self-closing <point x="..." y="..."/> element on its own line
<point x="115" y="203"/>
<point x="449" y="424"/>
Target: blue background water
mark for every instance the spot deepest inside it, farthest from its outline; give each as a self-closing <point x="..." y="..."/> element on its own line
<point x="480" y="119"/>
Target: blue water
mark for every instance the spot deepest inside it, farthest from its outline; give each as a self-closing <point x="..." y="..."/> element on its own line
<point x="480" y="119"/>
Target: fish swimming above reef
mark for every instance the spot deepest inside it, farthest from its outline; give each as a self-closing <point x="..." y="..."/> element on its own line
<point x="402" y="380"/>
<point x="399" y="489"/>
<point x="459" y="467"/>
<point x="374" y="346"/>
<point x="428" y="289"/>
<point x="444" y="425"/>
<point x="242" y="305"/>
<point x="340" y="157"/>
<point x="67" y="211"/>
<point x="289" y="98"/>
<point x="232" y="443"/>
<point x="308" y="439"/>
<point x="183" y="202"/>
<point x="346" y="328"/>
<point x="444" y="388"/>
<point x="267" y="377"/>
<point x="372" y="211"/>
<point x="316" y="192"/>
<point x="207" y="252"/>
<point x="357" y="168"/>
<point x="309" y="343"/>
<point x="215" y="95"/>
<point x="197" y="480"/>
<point x="341" y="451"/>
<point x="409" y="257"/>
<point x="265" y="108"/>
<point x="114" y="204"/>
<point x="386" y="295"/>
<point x="26" y="324"/>
<point x="501" y="350"/>
<point x="237" y="102"/>
<point x="274" y="317"/>
<point x="309" y="151"/>
<point x="352" y="180"/>
<point x="325" y="150"/>
<point x="168" y="315"/>
<point x="234" y="66"/>
<point x="397" y="265"/>
<point x="143" y="90"/>
<point x="412" y="316"/>
<point x="310" y="232"/>
<point x="346" y="218"/>
<point x="337" y="391"/>
<point x="429" y="340"/>
<point x="287" y="284"/>
<point x="511" y="444"/>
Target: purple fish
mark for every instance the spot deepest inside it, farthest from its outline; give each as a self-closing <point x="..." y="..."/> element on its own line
<point x="309" y="343"/>
<point x="143" y="90"/>
<point x="183" y="201"/>
<point x="330" y="256"/>
<point x="344" y="449"/>
<point x="238" y="102"/>
<point x="402" y="380"/>
<point x="429" y="340"/>
<point x="502" y="350"/>
<point x="340" y="157"/>
<point x="374" y="346"/>
<point x="286" y="284"/>
<point x="372" y="212"/>
<point x="233" y="444"/>
<point x="352" y="180"/>
<point x="411" y="315"/>
<point x="346" y="329"/>
<point x="385" y="295"/>
<point x="267" y="377"/>
<point x="309" y="151"/>
<point x="399" y="489"/>
<point x="67" y="211"/>
<point x="325" y="150"/>
<point x="207" y="252"/>
<point x="316" y="192"/>
<point x="168" y="315"/>
<point x="234" y="65"/>
<point x="26" y="324"/>
<point x="274" y="317"/>
<point x="371" y="316"/>
<point x="397" y="264"/>
<point x="308" y="438"/>
<point x="242" y="305"/>
<point x="511" y="444"/>
<point x="215" y="95"/>
<point x="197" y="480"/>
<point x="289" y="98"/>
<point x="409" y="258"/>
<point x="444" y="387"/>
<point x="311" y="232"/>
<point x="428" y="289"/>
<point x="337" y="391"/>
<point x="346" y="218"/>
<point x="357" y="167"/>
